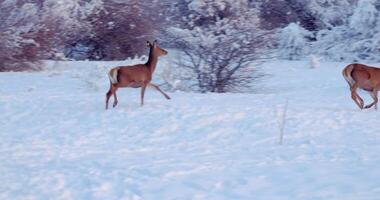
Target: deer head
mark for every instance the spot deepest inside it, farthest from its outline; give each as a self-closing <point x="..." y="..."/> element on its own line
<point x="156" y="49"/>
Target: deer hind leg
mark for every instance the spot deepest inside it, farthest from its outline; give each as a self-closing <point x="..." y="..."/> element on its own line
<point x="357" y="99"/>
<point x="115" y="101"/>
<point x="375" y="99"/>
<point x="108" y="95"/>
<point x="143" y="86"/>
<point x="111" y="91"/>
<point x="158" y="89"/>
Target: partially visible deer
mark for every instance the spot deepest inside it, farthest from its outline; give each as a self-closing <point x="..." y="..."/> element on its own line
<point x="136" y="76"/>
<point x="363" y="77"/>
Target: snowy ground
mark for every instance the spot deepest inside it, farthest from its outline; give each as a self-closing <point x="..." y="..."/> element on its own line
<point x="58" y="142"/>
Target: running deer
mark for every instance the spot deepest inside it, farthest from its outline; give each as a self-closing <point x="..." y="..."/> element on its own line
<point x="363" y="77"/>
<point x="136" y="76"/>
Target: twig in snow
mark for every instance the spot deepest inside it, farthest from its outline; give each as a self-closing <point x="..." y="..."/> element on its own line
<point x="282" y="120"/>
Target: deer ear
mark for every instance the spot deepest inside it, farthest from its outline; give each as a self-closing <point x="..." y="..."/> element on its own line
<point x="154" y="42"/>
<point x="148" y="44"/>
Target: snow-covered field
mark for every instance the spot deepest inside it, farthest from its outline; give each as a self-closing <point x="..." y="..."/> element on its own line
<point x="58" y="142"/>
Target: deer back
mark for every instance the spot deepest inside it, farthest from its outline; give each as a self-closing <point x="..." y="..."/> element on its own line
<point x="134" y="74"/>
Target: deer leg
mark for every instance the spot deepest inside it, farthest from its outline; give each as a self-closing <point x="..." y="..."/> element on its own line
<point x="158" y="89"/>
<point x="108" y="95"/>
<point x="375" y="99"/>
<point x="111" y="91"/>
<point x="115" y="101"/>
<point x="142" y="93"/>
<point x="359" y="101"/>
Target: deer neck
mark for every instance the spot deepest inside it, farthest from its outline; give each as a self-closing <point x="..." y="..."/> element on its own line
<point x="152" y="61"/>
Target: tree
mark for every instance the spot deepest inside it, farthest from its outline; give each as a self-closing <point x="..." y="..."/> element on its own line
<point x="219" y="40"/>
<point x="331" y="13"/>
<point x="364" y="18"/>
<point x="17" y="46"/>
<point x="121" y="28"/>
<point x="356" y="40"/>
<point x="279" y="13"/>
<point x="32" y="30"/>
<point x="294" y="42"/>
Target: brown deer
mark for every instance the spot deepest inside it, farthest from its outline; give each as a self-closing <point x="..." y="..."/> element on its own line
<point x="363" y="77"/>
<point x="136" y="76"/>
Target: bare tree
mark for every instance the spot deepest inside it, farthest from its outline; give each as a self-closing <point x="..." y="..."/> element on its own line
<point x="17" y="48"/>
<point x="122" y="27"/>
<point x="218" y="45"/>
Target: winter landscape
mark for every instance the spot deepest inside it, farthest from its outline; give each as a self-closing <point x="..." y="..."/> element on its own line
<point x="259" y="108"/>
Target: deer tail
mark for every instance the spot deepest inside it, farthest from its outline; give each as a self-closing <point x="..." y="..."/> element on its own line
<point x="112" y="74"/>
<point x="347" y="71"/>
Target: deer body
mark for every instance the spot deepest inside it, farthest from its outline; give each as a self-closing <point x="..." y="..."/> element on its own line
<point x="135" y="76"/>
<point x="363" y="77"/>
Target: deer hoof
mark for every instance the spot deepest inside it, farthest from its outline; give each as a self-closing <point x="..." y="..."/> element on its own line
<point x="367" y="106"/>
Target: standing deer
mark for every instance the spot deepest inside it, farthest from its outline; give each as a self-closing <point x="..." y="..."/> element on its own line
<point x="363" y="77"/>
<point x="136" y="76"/>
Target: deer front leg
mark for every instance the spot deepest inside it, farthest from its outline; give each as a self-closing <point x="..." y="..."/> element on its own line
<point x="158" y="89"/>
<point x="142" y="93"/>
<point x="108" y="95"/>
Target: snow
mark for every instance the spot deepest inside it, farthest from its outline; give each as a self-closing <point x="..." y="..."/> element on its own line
<point x="58" y="142"/>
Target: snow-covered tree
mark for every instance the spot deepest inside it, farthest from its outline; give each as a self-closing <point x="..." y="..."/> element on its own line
<point x="219" y="40"/>
<point x="365" y="18"/>
<point x="279" y="13"/>
<point x="348" y="30"/>
<point x="356" y="40"/>
<point x="294" y="42"/>
<point x="34" y="30"/>
<point x="330" y="13"/>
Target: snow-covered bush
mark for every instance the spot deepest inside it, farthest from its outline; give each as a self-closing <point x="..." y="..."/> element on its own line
<point x="294" y="42"/>
<point x="357" y="40"/>
<point x="218" y="40"/>
<point x="365" y="18"/>
<point x="349" y="31"/>
<point x="330" y="13"/>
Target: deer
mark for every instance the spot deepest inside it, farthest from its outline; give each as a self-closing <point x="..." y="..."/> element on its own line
<point x="136" y="76"/>
<point x="364" y="77"/>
